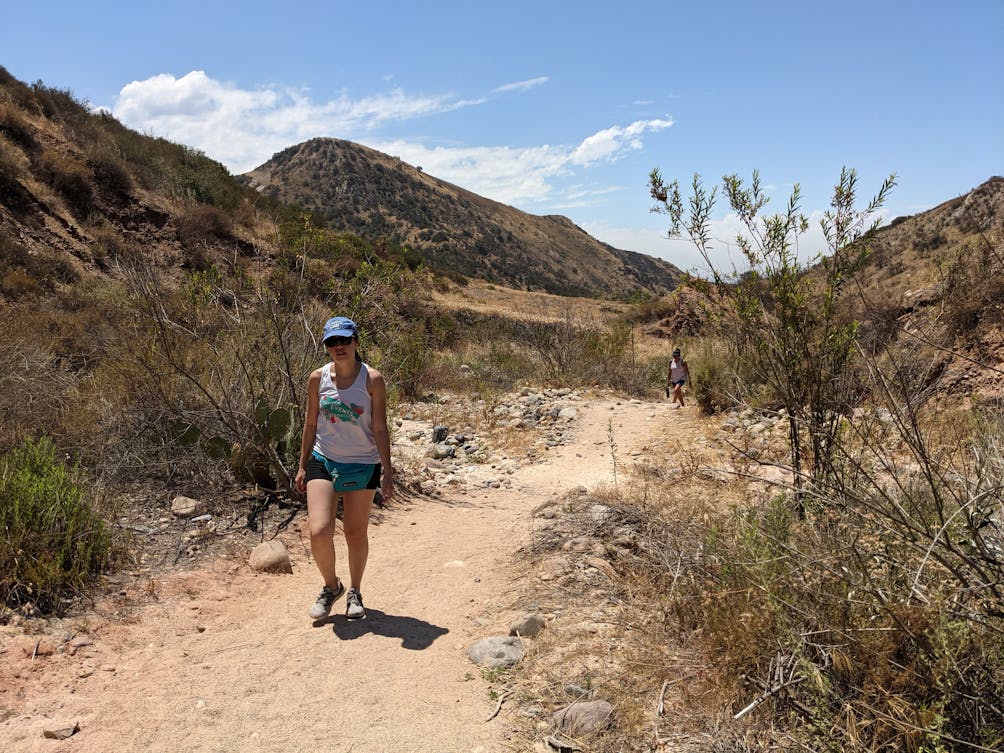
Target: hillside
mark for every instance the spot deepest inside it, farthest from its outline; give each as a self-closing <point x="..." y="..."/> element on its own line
<point x="940" y="276"/>
<point x="367" y="192"/>
<point x="80" y="194"/>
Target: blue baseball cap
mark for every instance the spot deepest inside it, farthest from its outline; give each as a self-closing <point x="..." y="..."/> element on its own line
<point x="339" y="326"/>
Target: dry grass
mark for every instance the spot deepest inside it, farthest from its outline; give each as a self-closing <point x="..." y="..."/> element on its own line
<point x="486" y="298"/>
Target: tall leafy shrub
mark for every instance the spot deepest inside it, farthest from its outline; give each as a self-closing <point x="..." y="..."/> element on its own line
<point x="52" y="540"/>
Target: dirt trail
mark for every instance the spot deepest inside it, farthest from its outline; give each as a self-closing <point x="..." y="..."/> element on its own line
<point x="227" y="660"/>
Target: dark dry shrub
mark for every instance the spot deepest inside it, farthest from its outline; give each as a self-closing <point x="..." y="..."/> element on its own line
<point x="974" y="289"/>
<point x="17" y="283"/>
<point x="15" y="127"/>
<point x="60" y="104"/>
<point x="54" y="542"/>
<point x="17" y="92"/>
<point x="71" y="180"/>
<point x="112" y="178"/>
<point x="202" y="223"/>
<point x="109" y="248"/>
<point x="27" y="273"/>
<point x="13" y="195"/>
<point x="33" y="388"/>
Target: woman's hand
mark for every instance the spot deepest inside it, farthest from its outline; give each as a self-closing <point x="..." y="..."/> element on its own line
<point x="387" y="485"/>
<point x="300" y="482"/>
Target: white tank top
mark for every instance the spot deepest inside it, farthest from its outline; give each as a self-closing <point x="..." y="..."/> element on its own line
<point x="345" y="420"/>
<point x="676" y="370"/>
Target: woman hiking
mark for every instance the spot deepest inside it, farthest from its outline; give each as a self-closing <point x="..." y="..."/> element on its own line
<point x="679" y="375"/>
<point x="344" y="452"/>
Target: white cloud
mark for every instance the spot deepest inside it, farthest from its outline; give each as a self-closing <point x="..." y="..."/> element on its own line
<point x="522" y="86"/>
<point x="506" y="174"/>
<point x="243" y="128"/>
<point x="611" y="142"/>
<point x="524" y="175"/>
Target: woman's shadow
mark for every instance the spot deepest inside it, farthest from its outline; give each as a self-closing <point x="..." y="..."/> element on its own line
<point x="415" y="634"/>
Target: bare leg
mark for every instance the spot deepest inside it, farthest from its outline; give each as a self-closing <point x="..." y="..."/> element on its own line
<point x="321" y="501"/>
<point x="355" y="522"/>
<point x="678" y="394"/>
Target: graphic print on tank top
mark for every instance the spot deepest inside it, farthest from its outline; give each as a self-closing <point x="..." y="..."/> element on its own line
<point x="335" y="410"/>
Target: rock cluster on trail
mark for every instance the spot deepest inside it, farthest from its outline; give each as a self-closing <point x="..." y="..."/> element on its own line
<point x="576" y="551"/>
<point x="461" y="459"/>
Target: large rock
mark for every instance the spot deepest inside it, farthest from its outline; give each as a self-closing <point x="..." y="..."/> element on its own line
<point x="186" y="507"/>
<point x="271" y="557"/>
<point x="496" y="651"/>
<point x="583" y="717"/>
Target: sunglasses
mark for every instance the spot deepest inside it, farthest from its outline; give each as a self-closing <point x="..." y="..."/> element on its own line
<point x="332" y="341"/>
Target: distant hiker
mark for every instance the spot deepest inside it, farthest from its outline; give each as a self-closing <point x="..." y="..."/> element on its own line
<point x="679" y="375"/>
<point x="345" y="452"/>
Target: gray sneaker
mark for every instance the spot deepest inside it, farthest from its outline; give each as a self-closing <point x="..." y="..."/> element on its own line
<point x="354" y="605"/>
<point x="326" y="600"/>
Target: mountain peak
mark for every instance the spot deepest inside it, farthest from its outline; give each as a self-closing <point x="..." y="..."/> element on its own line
<point x="361" y="190"/>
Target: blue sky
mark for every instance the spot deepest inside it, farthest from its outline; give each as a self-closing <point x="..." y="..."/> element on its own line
<point x="556" y="107"/>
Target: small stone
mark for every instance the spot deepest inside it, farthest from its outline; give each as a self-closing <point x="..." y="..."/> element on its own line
<point x="527" y="626"/>
<point x="439" y="434"/>
<point x="60" y="730"/>
<point x="583" y="718"/>
<point x="186" y="507"/>
<point x="575" y="691"/>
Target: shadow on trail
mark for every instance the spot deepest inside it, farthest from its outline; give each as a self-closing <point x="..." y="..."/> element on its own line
<point x="415" y="634"/>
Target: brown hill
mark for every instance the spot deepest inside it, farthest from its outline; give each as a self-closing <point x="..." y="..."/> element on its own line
<point x="364" y="191"/>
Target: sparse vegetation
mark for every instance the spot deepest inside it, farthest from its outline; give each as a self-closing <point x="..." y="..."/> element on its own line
<point x="861" y="601"/>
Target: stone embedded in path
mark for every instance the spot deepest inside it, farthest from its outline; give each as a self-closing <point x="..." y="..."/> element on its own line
<point x="441" y="451"/>
<point x="60" y="730"/>
<point x="496" y="651"/>
<point x="583" y="717"/>
<point x="186" y="507"/>
<point x="271" y="557"/>
<point x="527" y="626"/>
<point x="439" y="433"/>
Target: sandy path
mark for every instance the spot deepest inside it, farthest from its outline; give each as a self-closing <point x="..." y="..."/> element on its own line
<point x="226" y="660"/>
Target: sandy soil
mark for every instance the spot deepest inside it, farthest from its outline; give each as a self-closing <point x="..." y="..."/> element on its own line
<point x="227" y="660"/>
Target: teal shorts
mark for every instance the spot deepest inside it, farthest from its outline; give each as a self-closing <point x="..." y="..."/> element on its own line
<point x="344" y="477"/>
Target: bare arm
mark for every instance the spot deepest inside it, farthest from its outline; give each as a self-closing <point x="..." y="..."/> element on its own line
<point x="309" y="429"/>
<point x="378" y="393"/>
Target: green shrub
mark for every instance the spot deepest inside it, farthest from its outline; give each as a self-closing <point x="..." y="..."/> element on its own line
<point x="53" y="541"/>
<point x="713" y="377"/>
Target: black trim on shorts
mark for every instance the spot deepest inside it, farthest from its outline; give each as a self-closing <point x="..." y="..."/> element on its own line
<point x="316" y="470"/>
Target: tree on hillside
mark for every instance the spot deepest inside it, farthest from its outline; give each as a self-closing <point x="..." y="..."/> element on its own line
<point x="782" y="317"/>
